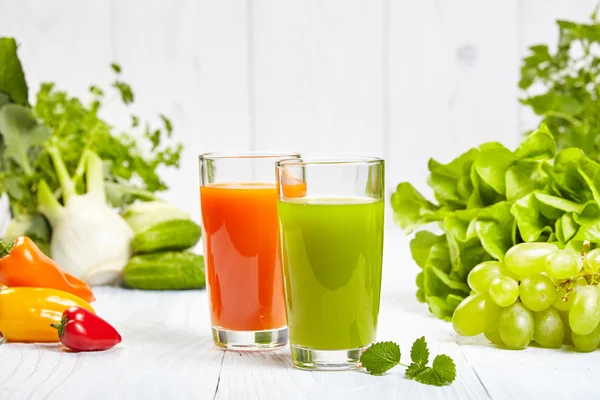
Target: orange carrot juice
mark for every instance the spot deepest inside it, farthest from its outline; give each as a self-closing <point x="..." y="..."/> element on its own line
<point x="241" y="250"/>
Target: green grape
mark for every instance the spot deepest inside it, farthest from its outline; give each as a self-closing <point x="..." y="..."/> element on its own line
<point x="548" y="331"/>
<point x="587" y="343"/>
<point x="537" y="292"/>
<point x="483" y="274"/>
<point x="527" y="259"/>
<point x="516" y="326"/>
<point x="492" y="320"/>
<point x="584" y="314"/>
<point x="564" y="316"/>
<point x="559" y="301"/>
<point x="504" y="291"/>
<point x="493" y="335"/>
<point x="469" y="317"/>
<point x="592" y="261"/>
<point x="492" y="314"/>
<point x="563" y="264"/>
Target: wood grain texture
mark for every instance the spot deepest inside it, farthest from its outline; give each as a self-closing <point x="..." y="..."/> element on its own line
<point x="318" y="76"/>
<point x="61" y="41"/>
<point x="408" y="80"/>
<point x="167" y="353"/>
<point x="187" y="59"/>
<point x="453" y="81"/>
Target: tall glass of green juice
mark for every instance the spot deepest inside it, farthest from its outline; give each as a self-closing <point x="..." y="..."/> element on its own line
<point x="331" y="250"/>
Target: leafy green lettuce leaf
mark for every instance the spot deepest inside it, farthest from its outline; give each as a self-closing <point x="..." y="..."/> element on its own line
<point x="538" y="146"/>
<point x="435" y="284"/>
<point x="451" y="182"/>
<point x="491" y="198"/>
<point x="412" y="210"/>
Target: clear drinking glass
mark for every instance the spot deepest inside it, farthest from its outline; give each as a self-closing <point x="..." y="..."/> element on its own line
<point x="331" y="216"/>
<point x="238" y="201"/>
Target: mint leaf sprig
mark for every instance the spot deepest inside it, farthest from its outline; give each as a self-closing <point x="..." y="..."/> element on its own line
<point x="382" y="356"/>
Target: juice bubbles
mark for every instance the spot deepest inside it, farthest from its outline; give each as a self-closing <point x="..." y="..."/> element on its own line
<point x="240" y="236"/>
<point x="332" y="252"/>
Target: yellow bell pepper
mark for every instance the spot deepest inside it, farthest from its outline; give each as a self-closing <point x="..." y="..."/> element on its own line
<point x="26" y="313"/>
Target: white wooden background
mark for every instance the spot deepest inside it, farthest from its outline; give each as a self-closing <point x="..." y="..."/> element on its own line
<point x="405" y="80"/>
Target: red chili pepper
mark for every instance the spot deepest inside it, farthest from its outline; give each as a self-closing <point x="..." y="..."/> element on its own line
<point x="81" y="330"/>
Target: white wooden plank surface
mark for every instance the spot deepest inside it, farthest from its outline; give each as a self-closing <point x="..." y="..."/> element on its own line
<point x="453" y="82"/>
<point x="318" y="76"/>
<point x="61" y="41"/>
<point x="167" y="353"/>
<point x="188" y="59"/>
<point x="408" y="80"/>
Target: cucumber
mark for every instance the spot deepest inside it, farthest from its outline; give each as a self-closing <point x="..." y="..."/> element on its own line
<point x="168" y="270"/>
<point x="177" y="234"/>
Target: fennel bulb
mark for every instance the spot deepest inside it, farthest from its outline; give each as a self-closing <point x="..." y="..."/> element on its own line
<point x="90" y="240"/>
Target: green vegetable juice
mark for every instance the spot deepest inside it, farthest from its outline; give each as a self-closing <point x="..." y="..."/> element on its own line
<point x="332" y="254"/>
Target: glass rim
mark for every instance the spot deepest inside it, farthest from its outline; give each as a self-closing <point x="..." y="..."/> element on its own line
<point x="331" y="161"/>
<point x="247" y="154"/>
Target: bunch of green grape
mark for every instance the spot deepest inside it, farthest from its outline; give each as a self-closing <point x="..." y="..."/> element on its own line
<point x="540" y="293"/>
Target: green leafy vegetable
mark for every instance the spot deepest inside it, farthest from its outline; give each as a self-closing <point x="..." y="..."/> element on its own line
<point x="562" y="86"/>
<point x="12" y="78"/>
<point x="382" y="356"/>
<point x="489" y="199"/>
<point x="73" y="127"/>
<point x="22" y="134"/>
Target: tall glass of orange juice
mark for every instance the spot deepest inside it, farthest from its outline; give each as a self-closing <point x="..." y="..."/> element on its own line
<point x="238" y="201"/>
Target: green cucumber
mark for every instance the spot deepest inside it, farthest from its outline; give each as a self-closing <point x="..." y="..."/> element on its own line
<point x="168" y="270"/>
<point x="177" y="234"/>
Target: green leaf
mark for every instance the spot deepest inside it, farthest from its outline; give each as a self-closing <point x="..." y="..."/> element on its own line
<point x="451" y="182"/>
<point x="418" y="352"/>
<point x="445" y="368"/>
<point x="125" y="90"/>
<point x="566" y="228"/>
<point x="413" y="370"/>
<point x="420" y="246"/>
<point x="494" y="227"/>
<point x="380" y="357"/>
<point x="464" y="245"/>
<point x="121" y="194"/>
<point x="491" y="165"/>
<point x="95" y="90"/>
<point x="168" y="124"/>
<point x="411" y="209"/>
<point x="39" y="231"/>
<point x="21" y="133"/>
<point x="539" y="145"/>
<point x="116" y="67"/>
<point x="531" y="223"/>
<point x="135" y="121"/>
<point x="440" y="308"/>
<point x="12" y="78"/>
<point x="524" y="177"/>
<point x="442" y="371"/>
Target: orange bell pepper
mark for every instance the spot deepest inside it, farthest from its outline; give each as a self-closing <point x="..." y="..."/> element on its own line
<point x="23" y="264"/>
<point x="27" y="313"/>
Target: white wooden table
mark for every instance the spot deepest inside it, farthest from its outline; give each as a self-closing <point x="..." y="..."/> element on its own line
<point x="167" y="353"/>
